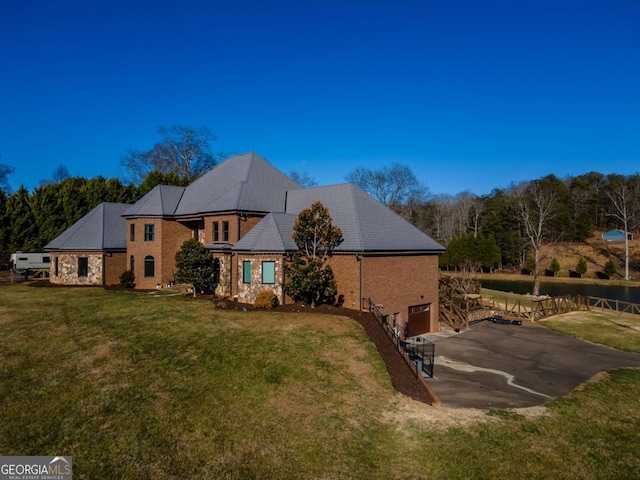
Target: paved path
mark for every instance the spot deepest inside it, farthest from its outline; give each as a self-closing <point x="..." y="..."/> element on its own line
<point x="508" y="366"/>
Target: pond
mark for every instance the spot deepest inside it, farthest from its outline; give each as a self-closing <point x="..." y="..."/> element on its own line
<point x="627" y="294"/>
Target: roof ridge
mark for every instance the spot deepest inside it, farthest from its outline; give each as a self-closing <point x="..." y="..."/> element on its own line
<point x="284" y="243"/>
<point x="259" y="234"/>
<point x="161" y="200"/>
<point x="243" y="183"/>
<point x="184" y="189"/>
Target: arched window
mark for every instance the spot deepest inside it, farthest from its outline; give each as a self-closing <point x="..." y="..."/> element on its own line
<point x="131" y="264"/>
<point x="149" y="266"/>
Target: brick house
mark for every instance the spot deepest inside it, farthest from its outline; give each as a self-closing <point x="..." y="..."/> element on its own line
<point x="93" y="250"/>
<point x="244" y="210"/>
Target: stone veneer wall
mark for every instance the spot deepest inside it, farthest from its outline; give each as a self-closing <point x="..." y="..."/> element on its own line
<point x="247" y="291"/>
<point x="223" y="289"/>
<point x="68" y="269"/>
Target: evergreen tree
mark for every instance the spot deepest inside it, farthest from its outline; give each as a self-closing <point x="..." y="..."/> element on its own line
<point x="610" y="268"/>
<point x="310" y="278"/>
<point x="4" y="228"/>
<point x="155" y="178"/>
<point x="555" y="266"/>
<point x="23" y="231"/>
<point x="470" y="253"/>
<point x="195" y="266"/>
<point x="581" y="267"/>
<point x="49" y="216"/>
<point x="500" y="221"/>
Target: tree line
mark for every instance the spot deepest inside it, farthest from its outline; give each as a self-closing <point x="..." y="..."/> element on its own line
<point x="30" y="220"/>
<point x="503" y="229"/>
<point x="506" y="228"/>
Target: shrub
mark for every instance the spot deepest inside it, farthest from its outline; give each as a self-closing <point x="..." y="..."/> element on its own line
<point x="266" y="299"/>
<point x="195" y="266"/>
<point x="610" y="268"/>
<point x="555" y="266"/>
<point x="127" y="279"/>
<point x="581" y="267"/>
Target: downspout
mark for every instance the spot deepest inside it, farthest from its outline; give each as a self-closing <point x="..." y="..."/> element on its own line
<point x="359" y="259"/>
<point x="283" y="280"/>
<point x="231" y="267"/>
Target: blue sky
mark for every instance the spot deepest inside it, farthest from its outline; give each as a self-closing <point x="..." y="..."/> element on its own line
<point x="471" y="95"/>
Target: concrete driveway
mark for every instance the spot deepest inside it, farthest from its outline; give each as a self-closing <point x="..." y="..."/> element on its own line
<point x="508" y="366"/>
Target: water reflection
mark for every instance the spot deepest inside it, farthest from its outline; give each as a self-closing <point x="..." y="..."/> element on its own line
<point x="627" y="294"/>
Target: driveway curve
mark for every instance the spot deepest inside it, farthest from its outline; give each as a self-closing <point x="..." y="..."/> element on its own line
<point x="508" y="366"/>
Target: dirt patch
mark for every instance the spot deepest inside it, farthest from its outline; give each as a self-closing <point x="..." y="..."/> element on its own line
<point x="6" y="315"/>
<point x="406" y="412"/>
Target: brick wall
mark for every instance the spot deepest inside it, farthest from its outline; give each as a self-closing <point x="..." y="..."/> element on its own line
<point x="398" y="282"/>
<point x="239" y="226"/>
<point x="169" y="237"/>
<point x="346" y="269"/>
<point x="114" y="264"/>
<point x="172" y="235"/>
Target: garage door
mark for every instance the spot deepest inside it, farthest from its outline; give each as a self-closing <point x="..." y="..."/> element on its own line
<point x="419" y="319"/>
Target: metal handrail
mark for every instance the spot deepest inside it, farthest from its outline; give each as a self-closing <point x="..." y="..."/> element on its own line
<point x="422" y="358"/>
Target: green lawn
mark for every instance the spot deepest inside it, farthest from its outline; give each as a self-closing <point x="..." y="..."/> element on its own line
<point x="141" y="387"/>
<point x="618" y="331"/>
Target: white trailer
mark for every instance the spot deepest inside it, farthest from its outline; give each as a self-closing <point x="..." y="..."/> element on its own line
<point x="29" y="262"/>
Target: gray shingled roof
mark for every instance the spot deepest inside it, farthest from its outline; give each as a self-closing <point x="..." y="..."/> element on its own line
<point x="366" y="224"/>
<point x="162" y="200"/>
<point x="103" y="228"/>
<point x="243" y="182"/>
<point x="271" y="234"/>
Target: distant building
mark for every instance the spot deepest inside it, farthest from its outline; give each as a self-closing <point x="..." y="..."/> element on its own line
<point x="243" y="211"/>
<point x="616" y="236"/>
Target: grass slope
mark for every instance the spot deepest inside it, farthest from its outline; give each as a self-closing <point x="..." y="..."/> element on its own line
<point x="139" y="387"/>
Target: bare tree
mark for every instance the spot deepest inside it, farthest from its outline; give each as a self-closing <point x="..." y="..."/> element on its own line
<point x="59" y="174"/>
<point x="625" y="198"/>
<point x="184" y="151"/>
<point x="5" y="171"/>
<point x="444" y="218"/>
<point x="477" y="209"/>
<point x="536" y="209"/>
<point x="393" y="186"/>
<point x="464" y="202"/>
<point x="303" y="179"/>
